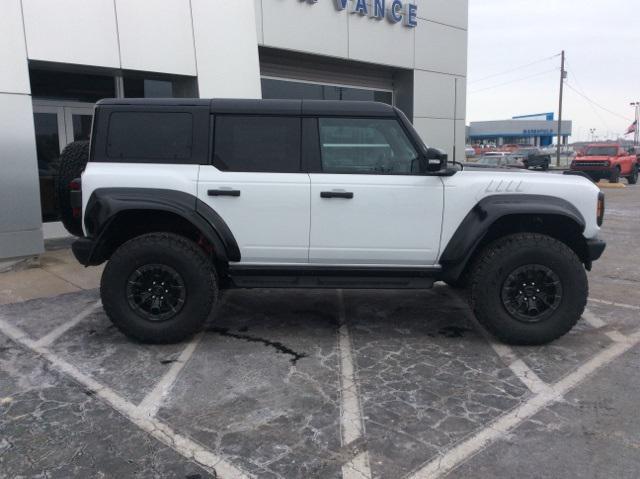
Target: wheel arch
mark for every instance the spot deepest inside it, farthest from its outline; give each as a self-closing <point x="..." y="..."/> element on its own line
<point x="501" y="215"/>
<point x="116" y="215"/>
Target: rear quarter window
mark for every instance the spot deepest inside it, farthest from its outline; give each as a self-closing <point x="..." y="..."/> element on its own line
<point x="150" y="137"/>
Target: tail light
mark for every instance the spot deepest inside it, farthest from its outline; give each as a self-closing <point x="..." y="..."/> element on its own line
<point x="75" y="186"/>
<point x="600" y="209"/>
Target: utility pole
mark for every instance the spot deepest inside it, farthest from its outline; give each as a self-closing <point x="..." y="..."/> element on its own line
<point x="563" y="75"/>
<point x="636" y="136"/>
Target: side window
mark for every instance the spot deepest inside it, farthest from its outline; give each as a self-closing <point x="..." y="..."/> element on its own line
<point x="257" y="143"/>
<point x="366" y="146"/>
<point x="152" y="137"/>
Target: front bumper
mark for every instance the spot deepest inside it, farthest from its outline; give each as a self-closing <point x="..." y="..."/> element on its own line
<point x="595" y="248"/>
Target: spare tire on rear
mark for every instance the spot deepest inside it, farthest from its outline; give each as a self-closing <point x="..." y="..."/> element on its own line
<point x="73" y="161"/>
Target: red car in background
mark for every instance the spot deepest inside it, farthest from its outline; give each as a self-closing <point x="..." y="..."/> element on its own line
<point x="607" y="161"/>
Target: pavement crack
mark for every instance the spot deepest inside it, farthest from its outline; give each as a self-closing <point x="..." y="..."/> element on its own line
<point x="279" y="347"/>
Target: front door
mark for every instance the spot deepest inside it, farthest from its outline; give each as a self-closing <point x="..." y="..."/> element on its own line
<point x="56" y="125"/>
<point x="256" y="184"/>
<point x="369" y="204"/>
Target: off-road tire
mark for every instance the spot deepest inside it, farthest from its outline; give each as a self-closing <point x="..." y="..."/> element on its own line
<point x="73" y="161"/>
<point x="499" y="259"/>
<point x="169" y="250"/>
<point x="615" y="175"/>
<point x="632" y="179"/>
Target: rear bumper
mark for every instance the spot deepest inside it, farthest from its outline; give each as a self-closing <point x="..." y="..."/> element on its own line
<point x="82" y="249"/>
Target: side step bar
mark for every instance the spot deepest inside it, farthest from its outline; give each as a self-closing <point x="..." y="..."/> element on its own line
<point x="332" y="277"/>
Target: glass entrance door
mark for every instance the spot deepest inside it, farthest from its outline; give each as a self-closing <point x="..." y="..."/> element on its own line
<point x="56" y="125"/>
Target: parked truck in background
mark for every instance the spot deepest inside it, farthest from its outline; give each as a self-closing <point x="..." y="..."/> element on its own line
<point x="607" y="161"/>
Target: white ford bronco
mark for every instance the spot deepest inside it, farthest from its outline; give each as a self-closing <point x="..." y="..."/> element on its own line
<point x="185" y="198"/>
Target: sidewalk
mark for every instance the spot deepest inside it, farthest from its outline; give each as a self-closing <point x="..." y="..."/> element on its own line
<point x="57" y="272"/>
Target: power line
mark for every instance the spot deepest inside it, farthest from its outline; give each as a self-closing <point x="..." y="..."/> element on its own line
<point x="515" y="69"/>
<point x="515" y="81"/>
<point x="596" y="103"/>
<point x="596" y="112"/>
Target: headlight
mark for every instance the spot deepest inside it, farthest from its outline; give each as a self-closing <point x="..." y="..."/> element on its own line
<point x="600" y="209"/>
<point x="607" y="163"/>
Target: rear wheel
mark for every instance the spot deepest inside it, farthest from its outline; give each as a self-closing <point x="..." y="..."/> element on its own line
<point x="615" y="175"/>
<point x="528" y="289"/>
<point x="73" y="161"/>
<point x="159" y="288"/>
<point x="633" y="177"/>
<point x="545" y="166"/>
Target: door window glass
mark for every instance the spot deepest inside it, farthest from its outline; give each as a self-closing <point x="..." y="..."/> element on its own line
<point x="257" y="143"/>
<point x="366" y="146"/>
<point x="150" y="137"/>
<point x="48" y="152"/>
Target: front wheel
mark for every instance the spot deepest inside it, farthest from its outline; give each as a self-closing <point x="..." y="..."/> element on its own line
<point x="528" y="289"/>
<point x="615" y="175"/>
<point x="159" y="288"/>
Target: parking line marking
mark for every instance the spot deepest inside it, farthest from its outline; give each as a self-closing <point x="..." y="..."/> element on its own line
<point x="597" y="323"/>
<point x="351" y="417"/>
<point x="48" y="339"/>
<point x="150" y="405"/>
<point x="159" y="430"/>
<point x="612" y="303"/>
<point x="447" y="462"/>
<point x="593" y="320"/>
<point x="508" y="356"/>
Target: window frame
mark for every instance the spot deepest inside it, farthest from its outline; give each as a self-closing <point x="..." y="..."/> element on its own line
<point x="302" y="166"/>
<point x="315" y="157"/>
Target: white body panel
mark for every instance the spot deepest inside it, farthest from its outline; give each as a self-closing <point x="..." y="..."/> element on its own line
<point x="270" y="218"/>
<point x="391" y="220"/>
<point x="463" y="190"/>
<point x="138" y="175"/>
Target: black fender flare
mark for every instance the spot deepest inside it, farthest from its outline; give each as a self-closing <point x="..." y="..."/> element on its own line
<point x="475" y="226"/>
<point x="105" y="204"/>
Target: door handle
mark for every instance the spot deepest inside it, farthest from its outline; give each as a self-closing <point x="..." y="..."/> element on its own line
<point x="347" y="195"/>
<point x="234" y="193"/>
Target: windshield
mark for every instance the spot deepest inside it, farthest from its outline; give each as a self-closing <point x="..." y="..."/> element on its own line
<point x="489" y="160"/>
<point x="602" y="151"/>
<point x="525" y="151"/>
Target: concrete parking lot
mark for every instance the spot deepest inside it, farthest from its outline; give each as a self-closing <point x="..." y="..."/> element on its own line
<point x="321" y="384"/>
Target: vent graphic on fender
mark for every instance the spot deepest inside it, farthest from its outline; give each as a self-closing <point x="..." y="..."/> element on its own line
<point x="505" y="186"/>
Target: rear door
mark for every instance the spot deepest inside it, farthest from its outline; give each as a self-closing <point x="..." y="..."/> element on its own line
<point x="256" y="184"/>
<point x="369" y="203"/>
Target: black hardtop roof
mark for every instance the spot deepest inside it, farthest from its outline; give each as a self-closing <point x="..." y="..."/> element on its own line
<point x="264" y="107"/>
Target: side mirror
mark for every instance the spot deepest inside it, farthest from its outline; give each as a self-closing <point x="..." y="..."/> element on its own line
<point x="435" y="160"/>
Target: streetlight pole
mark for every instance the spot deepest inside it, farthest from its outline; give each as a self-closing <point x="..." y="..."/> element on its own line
<point x="563" y="75"/>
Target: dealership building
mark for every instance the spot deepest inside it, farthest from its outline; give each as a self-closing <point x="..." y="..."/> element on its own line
<point x="536" y="130"/>
<point x="59" y="57"/>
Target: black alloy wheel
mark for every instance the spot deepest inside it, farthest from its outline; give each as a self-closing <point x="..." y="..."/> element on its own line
<point x="156" y="292"/>
<point x="532" y="293"/>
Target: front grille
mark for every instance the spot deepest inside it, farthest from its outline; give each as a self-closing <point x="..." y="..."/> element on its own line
<point x="590" y="163"/>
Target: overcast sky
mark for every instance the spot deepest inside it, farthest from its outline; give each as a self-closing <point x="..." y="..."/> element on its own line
<point x="602" y="43"/>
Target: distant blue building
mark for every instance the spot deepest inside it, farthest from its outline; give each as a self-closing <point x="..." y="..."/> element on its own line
<point x="537" y="130"/>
